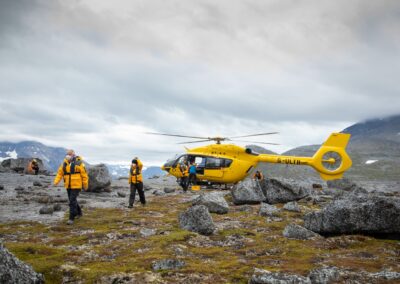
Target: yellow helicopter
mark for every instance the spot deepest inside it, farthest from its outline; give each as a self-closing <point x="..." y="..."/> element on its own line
<point x="228" y="163"/>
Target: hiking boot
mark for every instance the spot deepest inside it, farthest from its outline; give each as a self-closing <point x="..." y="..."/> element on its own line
<point x="70" y="222"/>
<point x="130" y="206"/>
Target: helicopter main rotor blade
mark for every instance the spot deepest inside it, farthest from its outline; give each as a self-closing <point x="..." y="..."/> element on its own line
<point x="252" y="135"/>
<point x="176" y="135"/>
<point x="255" y="142"/>
<point x="198" y="141"/>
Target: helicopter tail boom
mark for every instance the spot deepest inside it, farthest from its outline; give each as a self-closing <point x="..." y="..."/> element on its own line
<point x="331" y="159"/>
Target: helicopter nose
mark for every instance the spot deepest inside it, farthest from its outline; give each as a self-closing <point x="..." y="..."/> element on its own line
<point x="165" y="168"/>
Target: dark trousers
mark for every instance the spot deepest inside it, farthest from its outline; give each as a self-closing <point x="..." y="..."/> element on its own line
<point x="192" y="179"/>
<point x="184" y="183"/>
<point x="74" y="208"/>
<point x="139" y="187"/>
<point x="36" y="170"/>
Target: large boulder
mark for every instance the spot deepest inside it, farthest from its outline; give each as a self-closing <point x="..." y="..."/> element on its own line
<point x="12" y="270"/>
<point x="197" y="219"/>
<point x="214" y="201"/>
<point x="99" y="178"/>
<point x="20" y="165"/>
<point x="247" y="192"/>
<point x="276" y="191"/>
<point x="365" y="214"/>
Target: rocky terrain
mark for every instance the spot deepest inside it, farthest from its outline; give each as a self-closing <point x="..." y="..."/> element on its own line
<point x="273" y="232"/>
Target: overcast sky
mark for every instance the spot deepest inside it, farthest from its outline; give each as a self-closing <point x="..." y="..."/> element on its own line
<point x="94" y="75"/>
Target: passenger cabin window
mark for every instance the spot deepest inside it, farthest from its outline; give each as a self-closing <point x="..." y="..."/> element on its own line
<point x="217" y="163"/>
<point x="200" y="162"/>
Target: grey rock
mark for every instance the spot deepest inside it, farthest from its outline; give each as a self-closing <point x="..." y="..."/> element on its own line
<point x="44" y="199"/>
<point x="273" y="219"/>
<point x="19" y="188"/>
<point x="267" y="277"/>
<point x="145" y="232"/>
<point x="197" y="219"/>
<point x="292" y="206"/>
<point x="214" y="201"/>
<point x="386" y="275"/>
<point x="293" y="231"/>
<point x="158" y="192"/>
<point x="324" y="275"/>
<point x="269" y="210"/>
<point x="146" y="187"/>
<point x="343" y="184"/>
<point x="167" y="264"/>
<point x="357" y="214"/>
<point x="279" y="192"/>
<point x="107" y="189"/>
<point x="99" y="178"/>
<point x="57" y="207"/>
<point x="247" y="192"/>
<point x="12" y="270"/>
<point x="121" y="194"/>
<point x="46" y="210"/>
<point x="19" y="165"/>
<point x="169" y="189"/>
<point x="37" y="183"/>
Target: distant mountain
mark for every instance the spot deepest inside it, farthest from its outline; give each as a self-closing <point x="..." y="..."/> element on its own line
<point x="374" y="149"/>
<point x="51" y="156"/>
<point x="117" y="171"/>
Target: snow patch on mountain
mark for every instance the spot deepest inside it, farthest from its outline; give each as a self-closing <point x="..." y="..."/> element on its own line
<point x="10" y="155"/>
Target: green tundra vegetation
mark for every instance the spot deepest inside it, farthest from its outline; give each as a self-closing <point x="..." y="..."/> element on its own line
<point x="106" y="242"/>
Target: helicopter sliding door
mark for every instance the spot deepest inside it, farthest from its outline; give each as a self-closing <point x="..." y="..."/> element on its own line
<point x="216" y="167"/>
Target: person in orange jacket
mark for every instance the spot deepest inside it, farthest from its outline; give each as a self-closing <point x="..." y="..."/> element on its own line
<point x="73" y="172"/>
<point x="136" y="182"/>
<point x="34" y="167"/>
<point x="258" y="176"/>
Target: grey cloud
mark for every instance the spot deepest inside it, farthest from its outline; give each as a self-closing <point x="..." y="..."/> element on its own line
<point x="83" y="68"/>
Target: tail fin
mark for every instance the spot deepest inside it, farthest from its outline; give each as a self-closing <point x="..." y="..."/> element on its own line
<point x="331" y="160"/>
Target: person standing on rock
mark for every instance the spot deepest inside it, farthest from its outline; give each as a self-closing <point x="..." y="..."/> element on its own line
<point x="73" y="172"/>
<point x="136" y="182"/>
<point x="258" y="176"/>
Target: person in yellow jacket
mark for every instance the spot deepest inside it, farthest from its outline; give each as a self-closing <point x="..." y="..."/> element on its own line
<point x="258" y="176"/>
<point x="184" y="182"/>
<point x="73" y="172"/>
<point x="136" y="182"/>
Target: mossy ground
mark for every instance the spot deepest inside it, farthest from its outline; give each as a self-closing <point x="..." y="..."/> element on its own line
<point x="108" y="241"/>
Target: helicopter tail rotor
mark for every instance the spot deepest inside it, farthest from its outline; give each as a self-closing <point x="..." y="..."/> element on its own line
<point x="331" y="160"/>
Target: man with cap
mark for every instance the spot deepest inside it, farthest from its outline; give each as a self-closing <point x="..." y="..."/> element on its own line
<point x="136" y="182"/>
<point x="73" y="172"/>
